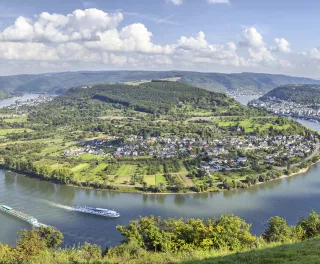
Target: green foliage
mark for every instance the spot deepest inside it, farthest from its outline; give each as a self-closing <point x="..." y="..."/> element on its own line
<point x="174" y="235"/>
<point x="302" y="94"/>
<point x="155" y="240"/>
<point x="62" y="175"/>
<point x="311" y="225"/>
<point x="277" y="230"/>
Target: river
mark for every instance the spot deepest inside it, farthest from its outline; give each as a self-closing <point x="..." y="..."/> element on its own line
<point x="24" y="97"/>
<point x="289" y="198"/>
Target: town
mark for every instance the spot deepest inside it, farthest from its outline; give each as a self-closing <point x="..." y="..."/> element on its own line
<point x="288" y="108"/>
<point x="228" y="153"/>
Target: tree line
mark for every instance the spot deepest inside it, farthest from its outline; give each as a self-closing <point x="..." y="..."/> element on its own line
<point x="151" y="237"/>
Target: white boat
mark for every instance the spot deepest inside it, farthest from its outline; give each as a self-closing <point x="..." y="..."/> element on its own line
<point x="96" y="211"/>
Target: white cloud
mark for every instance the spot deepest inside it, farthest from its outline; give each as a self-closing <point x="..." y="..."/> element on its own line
<point x="193" y="43"/>
<point x="260" y="54"/>
<point x="251" y="37"/>
<point x="180" y="2"/>
<point x="27" y="52"/>
<point x="315" y="53"/>
<point x="132" y="38"/>
<point x="93" y="39"/>
<point x="176" y="2"/>
<point x="282" y="45"/>
<point x="218" y="1"/>
<point x="79" y="25"/>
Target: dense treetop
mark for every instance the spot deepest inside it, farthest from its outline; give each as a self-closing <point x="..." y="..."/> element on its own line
<point x="152" y="98"/>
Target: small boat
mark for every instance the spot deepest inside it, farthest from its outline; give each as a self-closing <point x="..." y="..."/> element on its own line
<point x="96" y="211"/>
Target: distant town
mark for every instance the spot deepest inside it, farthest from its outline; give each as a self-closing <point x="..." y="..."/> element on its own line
<point x="30" y="102"/>
<point x="288" y="108"/>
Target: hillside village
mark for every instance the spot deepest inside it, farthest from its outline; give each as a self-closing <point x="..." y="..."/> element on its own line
<point x="229" y="153"/>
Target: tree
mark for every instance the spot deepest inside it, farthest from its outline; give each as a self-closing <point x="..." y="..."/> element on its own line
<point x="277" y="230"/>
<point x="51" y="237"/>
<point x="311" y="225"/>
<point x="145" y="185"/>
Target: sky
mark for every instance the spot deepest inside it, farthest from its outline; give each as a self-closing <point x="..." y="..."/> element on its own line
<point x="271" y="36"/>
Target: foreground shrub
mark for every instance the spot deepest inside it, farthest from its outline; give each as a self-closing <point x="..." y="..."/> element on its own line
<point x="277" y="230"/>
<point x="311" y="225"/>
<point x="229" y="232"/>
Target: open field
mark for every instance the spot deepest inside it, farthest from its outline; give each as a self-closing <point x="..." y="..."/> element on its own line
<point x="4" y="132"/>
<point x="80" y="167"/>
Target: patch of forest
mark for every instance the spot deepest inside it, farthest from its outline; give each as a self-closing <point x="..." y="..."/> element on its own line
<point x="303" y="94"/>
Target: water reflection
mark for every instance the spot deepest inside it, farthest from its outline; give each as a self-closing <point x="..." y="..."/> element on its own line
<point x="179" y="199"/>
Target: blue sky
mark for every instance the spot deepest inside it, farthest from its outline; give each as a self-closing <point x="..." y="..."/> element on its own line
<point x="238" y="35"/>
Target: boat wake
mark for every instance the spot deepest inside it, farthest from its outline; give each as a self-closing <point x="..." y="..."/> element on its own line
<point x="65" y="207"/>
<point x="85" y="209"/>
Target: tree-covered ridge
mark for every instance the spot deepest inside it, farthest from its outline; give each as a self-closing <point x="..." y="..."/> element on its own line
<point x="227" y="239"/>
<point x="217" y="82"/>
<point x="159" y="97"/>
<point x="302" y="94"/>
<point x="153" y="98"/>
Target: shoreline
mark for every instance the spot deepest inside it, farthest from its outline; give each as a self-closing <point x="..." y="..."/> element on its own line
<point x="301" y="171"/>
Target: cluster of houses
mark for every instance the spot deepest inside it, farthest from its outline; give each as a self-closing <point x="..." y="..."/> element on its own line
<point x="280" y="147"/>
<point x="219" y="164"/>
<point x="287" y="108"/>
<point x="75" y="152"/>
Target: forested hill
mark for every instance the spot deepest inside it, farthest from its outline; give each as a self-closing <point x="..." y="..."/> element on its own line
<point x="303" y="94"/>
<point x="218" y="82"/>
<point x="174" y="99"/>
<point x="151" y="97"/>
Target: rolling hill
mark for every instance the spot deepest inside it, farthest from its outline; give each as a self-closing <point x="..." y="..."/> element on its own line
<point x="303" y="94"/>
<point x="217" y="82"/>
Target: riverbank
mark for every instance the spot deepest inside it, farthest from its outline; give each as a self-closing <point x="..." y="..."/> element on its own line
<point x="139" y="190"/>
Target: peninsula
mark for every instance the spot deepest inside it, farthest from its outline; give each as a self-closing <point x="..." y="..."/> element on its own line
<point x="156" y="137"/>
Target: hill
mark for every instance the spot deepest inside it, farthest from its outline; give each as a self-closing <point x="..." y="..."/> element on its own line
<point x="302" y="94"/>
<point x="151" y="98"/>
<point x="218" y="82"/>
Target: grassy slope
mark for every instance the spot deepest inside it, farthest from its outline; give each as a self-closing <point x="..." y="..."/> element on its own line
<point x="302" y="252"/>
<point x="298" y="253"/>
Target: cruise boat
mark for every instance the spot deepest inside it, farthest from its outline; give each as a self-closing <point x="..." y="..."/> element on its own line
<point x="96" y="211"/>
<point x="27" y="218"/>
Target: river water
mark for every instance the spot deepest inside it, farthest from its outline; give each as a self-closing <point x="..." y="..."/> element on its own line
<point x="289" y="198"/>
<point x="10" y="101"/>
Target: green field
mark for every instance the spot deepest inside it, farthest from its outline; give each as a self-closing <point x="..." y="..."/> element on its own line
<point x="80" y="167"/>
<point x="160" y="179"/>
<point x="4" y="132"/>
<point x="150" y="179"/>
<point x="99" y="168"/>
<point x="90" y="157"/>
<point x="249" y="125"/>
<point x="19" y="119"/>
